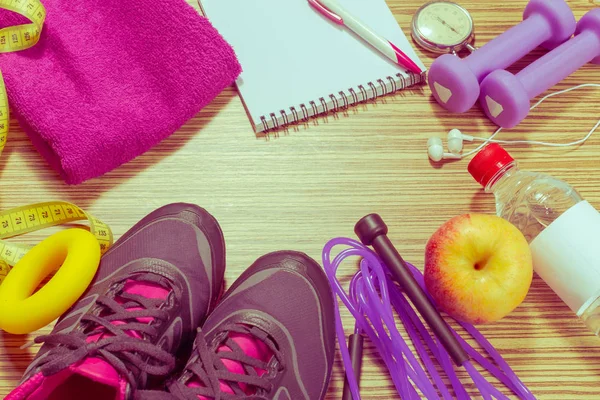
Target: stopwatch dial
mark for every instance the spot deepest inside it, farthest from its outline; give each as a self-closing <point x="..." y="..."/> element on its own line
<point x="444" y="23"/>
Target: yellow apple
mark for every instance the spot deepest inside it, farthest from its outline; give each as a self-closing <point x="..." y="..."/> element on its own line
<point x="478" y="268"/>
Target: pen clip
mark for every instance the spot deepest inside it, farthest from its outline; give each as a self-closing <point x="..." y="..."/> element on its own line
<point x="326" y="12"/>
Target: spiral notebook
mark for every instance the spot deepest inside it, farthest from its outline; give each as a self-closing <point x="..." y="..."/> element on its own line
<point x="297" y="64"/>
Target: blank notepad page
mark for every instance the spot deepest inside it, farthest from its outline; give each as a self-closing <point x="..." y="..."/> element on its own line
<point x="297" y="64"/>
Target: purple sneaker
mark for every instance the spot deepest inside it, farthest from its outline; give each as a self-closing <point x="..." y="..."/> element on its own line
<point x="153" y="288"/>
<point x="271" y="337"/>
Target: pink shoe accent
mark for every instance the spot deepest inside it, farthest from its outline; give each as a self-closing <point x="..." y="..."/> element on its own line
<point x="252" y="347"/>
<point x="146" y="289"/>
<point x="21" y="392"/>
<point x="94" y="377"/>
<point x="97" y="370"/>
<point x="94" y="373"/>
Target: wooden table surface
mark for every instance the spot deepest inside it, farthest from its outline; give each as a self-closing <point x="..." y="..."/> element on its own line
<point x="313" y="182"/>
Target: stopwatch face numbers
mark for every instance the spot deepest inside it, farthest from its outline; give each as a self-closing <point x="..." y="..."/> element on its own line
<point x="442" y="25"/>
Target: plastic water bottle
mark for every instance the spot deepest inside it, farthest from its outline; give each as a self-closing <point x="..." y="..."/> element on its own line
<point x="563" y="229"/>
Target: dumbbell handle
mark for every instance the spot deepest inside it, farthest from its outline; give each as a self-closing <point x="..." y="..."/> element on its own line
<point x="510" y="46"/>
<point x="561" y="62"/>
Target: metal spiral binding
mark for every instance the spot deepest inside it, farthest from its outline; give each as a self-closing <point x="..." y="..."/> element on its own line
<point x="403" y="82"/>
<point x="263" y="120"/>
<point x="350" y="97"/>
<point x="314" y="108"/>
<point x="363" y="92"/>
<point x="274" y="119"/>
<point x="374" y="91"/>
<point x="294" y="113"/>
<point x="324" y="104"/>
<point x="284" y="116"/>
<point x="354" y="96"/>
<point x="345" y="98"/>
<point x="336" y="105"/>
<point x="304" y="112"/>
<point x="384" y="90"/>
<point x="393" y="82"/>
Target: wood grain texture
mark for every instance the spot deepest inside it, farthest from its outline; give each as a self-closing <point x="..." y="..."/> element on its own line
<point x="304" y="186"/>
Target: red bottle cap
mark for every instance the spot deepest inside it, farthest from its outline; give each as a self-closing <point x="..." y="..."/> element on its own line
<point x="488" y="162"/>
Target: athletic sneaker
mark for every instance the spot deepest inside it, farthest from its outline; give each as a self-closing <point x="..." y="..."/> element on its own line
<point x="152" y="290"/>
<point x="271" y="337"/>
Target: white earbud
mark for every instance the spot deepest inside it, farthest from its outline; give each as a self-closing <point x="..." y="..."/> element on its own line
<point x="435" y="150"/>
<point x="455" y="141"/>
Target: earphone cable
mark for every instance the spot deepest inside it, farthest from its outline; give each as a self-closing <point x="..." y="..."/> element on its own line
<point x="549" y="144"/>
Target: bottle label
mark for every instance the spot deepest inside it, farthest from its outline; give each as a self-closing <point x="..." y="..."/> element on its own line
<point x="566" y="255"/>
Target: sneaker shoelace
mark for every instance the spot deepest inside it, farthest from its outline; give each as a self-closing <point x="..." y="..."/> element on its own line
<point x="120" y="332"/>
<point x="208" y="370"/>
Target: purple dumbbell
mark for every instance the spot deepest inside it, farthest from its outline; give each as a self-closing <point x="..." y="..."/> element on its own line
<point x="455" y="81"/>
<point x="505" y="97"/>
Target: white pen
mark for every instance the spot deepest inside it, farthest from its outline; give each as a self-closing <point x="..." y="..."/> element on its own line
<point x="335" y="12"/>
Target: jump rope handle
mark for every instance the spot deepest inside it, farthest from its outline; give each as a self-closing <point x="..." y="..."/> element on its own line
<point x="355" y="347"/>
<point x="372" y="231"/>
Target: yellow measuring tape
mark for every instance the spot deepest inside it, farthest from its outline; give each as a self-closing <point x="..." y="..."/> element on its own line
<point x="33" y="217"/>
<point x="25" y="219"/>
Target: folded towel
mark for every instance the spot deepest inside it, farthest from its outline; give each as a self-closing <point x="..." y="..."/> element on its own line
<point x="109" y="79"/>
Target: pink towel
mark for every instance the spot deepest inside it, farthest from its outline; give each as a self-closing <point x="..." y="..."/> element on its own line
<point x="109" y="79"/>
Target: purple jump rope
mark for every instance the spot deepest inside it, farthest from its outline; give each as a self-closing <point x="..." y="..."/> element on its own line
<point x="372" y="297"/>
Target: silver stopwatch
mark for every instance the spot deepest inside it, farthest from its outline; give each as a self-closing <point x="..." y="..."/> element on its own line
<point x="443" y="27"/>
